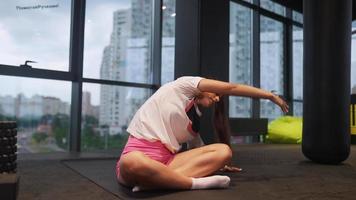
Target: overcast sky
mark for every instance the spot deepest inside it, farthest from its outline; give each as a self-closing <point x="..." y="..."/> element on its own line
<point x="42" y="35"/>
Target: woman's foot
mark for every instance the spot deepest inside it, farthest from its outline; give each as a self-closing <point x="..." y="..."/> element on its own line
<point x="216" y="181"/>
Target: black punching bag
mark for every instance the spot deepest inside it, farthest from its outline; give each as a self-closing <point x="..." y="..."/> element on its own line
<point x="326" y="109"/>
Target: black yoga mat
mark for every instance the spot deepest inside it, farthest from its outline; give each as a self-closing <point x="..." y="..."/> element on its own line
<point x="101" y="172"/>
<point x="269" y="172"/>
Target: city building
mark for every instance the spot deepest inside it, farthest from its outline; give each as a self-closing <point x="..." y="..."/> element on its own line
<point x="128" y="58"/>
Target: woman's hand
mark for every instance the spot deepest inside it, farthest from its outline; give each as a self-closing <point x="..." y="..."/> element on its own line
<point x="280" y="102"/>
<point x="227" y="168"/>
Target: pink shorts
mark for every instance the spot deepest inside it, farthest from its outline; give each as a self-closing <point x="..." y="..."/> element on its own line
<point x="155" y="150"/>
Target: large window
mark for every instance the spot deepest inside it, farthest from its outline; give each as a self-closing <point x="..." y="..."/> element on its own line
<point x="35" y="30"/>
<point x="117" y="68"/>
<point x="118" y="40"/>
<point x="353" y="60"/>
<point x="271" y="52"/>
<point x="297" y="71"/>
<point x="272" y="56"/>
<point x="106" y="113"/>
<point x="168" y="40"/>
<point x="240" y="57"/>
<point x="41" y="109"/>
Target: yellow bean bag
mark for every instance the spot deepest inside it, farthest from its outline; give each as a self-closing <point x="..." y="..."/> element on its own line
<point x="353" y="119"/>
<point x="286" y="129"/>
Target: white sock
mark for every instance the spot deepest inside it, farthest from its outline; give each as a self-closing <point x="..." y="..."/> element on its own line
<point x="216" y="181"/>
<point x="136" y="189"/>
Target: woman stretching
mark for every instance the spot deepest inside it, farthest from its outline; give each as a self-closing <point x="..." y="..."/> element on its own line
<point x="169" y="118"/>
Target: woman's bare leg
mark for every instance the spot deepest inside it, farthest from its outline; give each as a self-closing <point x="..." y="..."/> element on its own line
<point x="136" y="169"/>
<point x="202" y="161"/>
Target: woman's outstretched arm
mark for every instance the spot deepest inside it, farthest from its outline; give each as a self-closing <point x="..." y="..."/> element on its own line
<point x="225" y="88"/>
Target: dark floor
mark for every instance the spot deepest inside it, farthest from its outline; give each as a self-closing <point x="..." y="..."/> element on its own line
<point x="270" y="172"/>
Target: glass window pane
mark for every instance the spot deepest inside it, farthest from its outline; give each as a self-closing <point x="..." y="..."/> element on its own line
<point x="36" y="30"/>
<point x="107" y="111"/>
<point x="298" y="109"/>
<point x="118" y="40"/>
<point x="168" y="39"/>
<point x="297" y="63"/>
<point x="272" y="6"/>
<point x="42" y="111"/>
<point x="240" y="57"/>
<point x="353" y="60"/>
<point x="271" y="49"/>
<point x="297" y="16"/>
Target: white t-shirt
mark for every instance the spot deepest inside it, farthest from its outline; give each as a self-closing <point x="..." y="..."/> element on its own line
<point x="170" y="115"/>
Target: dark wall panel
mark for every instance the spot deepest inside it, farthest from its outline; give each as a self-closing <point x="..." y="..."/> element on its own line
<point x="187" y="53"/>
<point x="202" y="45"/>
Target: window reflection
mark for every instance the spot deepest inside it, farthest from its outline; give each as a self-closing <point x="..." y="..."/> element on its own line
<point x="118" y="40"/>
<point x="36" y="30"/>
<point x="41" y="109"/>
<point x="106" y="112"/>
<point x="271" y="49"/>
<point x="240" y="57"/>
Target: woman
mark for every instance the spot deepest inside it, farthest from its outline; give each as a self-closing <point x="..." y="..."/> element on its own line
<point x="169" y="118"/>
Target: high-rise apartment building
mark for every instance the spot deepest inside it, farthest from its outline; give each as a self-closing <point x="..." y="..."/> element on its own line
<point x="128" y="58"/>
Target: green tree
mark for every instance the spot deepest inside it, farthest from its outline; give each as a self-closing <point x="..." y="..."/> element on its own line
<point x="90" y="120"/>
<point x="91" y="139"/>
<point x="28" y="122"/>
<point x="117" y="141"/>
<point x="60" y="128"/>
<point x="39" y="137"/>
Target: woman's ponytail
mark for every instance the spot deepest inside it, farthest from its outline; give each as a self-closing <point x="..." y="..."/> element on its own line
<point x="221" y="122"/>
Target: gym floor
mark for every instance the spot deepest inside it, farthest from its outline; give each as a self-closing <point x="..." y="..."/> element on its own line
<point x="270" y="172"/>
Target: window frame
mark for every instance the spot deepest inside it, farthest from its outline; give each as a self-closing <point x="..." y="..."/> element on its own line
<point x="288" y="22"/>
<point x="75" y="72"/>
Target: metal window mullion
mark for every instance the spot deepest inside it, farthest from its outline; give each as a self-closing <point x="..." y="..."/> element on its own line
<point x="298" y="100"/>
<point x="76" y="68"/>
<point x="265" y="12"/>
<point x="156" y="47"/>
<point x="288" y="62"/>
<point x="9" y="70"/>
<point x="256" y="67"/>
<point x="300" y="25"/>
<point x="120" y="83"/>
